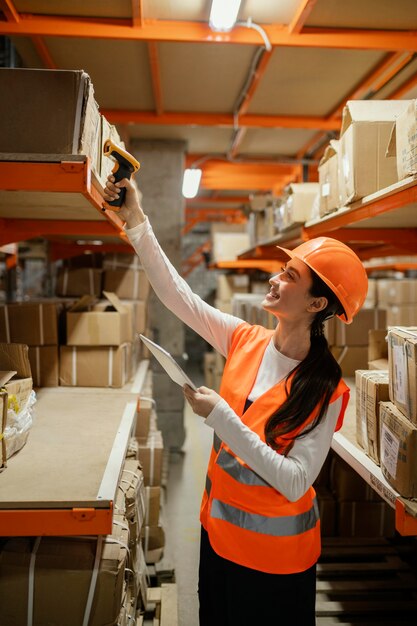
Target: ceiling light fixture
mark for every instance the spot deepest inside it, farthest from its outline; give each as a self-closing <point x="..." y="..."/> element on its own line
<point x="223" y="14"/>
<point x="191" y="182"/>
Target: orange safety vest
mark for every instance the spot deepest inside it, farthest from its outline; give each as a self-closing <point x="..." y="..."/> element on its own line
<point x="248" y="521"/>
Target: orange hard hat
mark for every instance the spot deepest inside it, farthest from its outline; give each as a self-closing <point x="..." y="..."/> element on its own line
<point x="339" y="267"/>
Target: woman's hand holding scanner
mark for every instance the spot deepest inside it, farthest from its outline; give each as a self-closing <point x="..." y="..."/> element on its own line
<point x="130" y="211"/>
<point x="124" y="166"/>
<point x="201" y="401"/>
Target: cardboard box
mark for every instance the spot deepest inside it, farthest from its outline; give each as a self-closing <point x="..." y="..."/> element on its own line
<point x="229" y="284"/>
<point x="153" y="542"/>
<point x="372" y="387"/>
<point x="357" y="333"/>
<point x="329" y="179"/>
<point x="54" y="112"/>
<point x="225" y="306"/>
<point x="371" y="297"/>
<point x="89" y="326"/>
<point x="79" y="282"/>
<point x="228" y="241"/>
<point x="347" y="485"/>
<point x="297" y="204"/>
<point x="378" y="350"/>
<point x="364" y="136"/>
<point x="152" y="506"/>
<point x="44" y="363"/>
<point x="398" y="450"/>
<point x="366" y="519"/>
<point x="403" y="141"/>
<point x="88" y="259"/>
<point x="351" y="358"/>
<point x="117" y="261"/>
<point x="396" y="292"/>
<point x="402" y="315"/>
<point x="402" y="358"/>
<point x="31" y="323"/>
<point x="62" y="575"/>
<point x="94" y="366"/>
<point x="128" y="284"/>
<point x="107" y="131"/>
<point x="143" y="417"/>
<point x="150" y="457"/>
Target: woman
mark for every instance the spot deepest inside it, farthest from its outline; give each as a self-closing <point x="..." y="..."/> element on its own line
<point x="280" y="401"/>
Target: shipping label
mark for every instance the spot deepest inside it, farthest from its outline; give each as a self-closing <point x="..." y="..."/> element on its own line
<point x="400" y="374"/>
<point x="390" y="446"/>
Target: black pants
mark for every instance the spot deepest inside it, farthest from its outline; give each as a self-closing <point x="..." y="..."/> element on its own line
<point x="233" y="595"/>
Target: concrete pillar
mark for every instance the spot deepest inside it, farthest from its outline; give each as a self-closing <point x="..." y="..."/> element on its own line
<point x="160" y="181"/>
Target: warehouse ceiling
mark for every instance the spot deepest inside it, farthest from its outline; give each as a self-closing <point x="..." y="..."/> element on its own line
<point x="267" y="95"/>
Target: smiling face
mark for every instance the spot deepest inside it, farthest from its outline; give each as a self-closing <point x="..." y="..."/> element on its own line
<point x="290" y="296"/>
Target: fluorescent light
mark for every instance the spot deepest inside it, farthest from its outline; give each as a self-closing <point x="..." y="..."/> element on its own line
<point x="191" y="182"/>
<point x="223" y="14"/>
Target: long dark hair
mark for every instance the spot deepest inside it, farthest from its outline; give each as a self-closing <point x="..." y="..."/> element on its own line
<point x="315" y="378"/>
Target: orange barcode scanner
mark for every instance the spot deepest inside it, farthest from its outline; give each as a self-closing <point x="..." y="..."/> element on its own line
<point x="125" y="165"/>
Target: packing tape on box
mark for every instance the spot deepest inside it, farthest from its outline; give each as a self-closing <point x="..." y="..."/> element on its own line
<point x="74" y="366"/>
<point x="65" y="282"/>
<point x="110" y="368"/>
<point x="91" y="281"/>
<point x="343" y="354"/>
<point x="146" y="540"/>
<point x="148" y="505"/>
<point x="41" y="337"/>
<point x="151" y="461"/>
<point x="6" y="323"/>
<point x="31" y="586"/>
<point x="135" y="284"/>
<point x="121" y="524"/>
<point x="38" y="366"/>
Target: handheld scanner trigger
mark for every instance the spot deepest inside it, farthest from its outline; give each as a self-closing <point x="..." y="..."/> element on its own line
<point x="125" y="165"/>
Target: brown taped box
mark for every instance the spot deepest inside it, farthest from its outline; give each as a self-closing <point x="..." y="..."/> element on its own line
<point x="403" y="142"/>
<point x="54" y="112"/>
<point x="153" y="505"/>
<point x="227" y="285"/>
<point x="357" y="333"/>
<point x="351" y="358"/>
<point x="32" y="323"/>
<point x="378" y="350"/>
<point x="398" y="450"/>
<point x="117" y="260"/>
<point x="394" y="292"/>
<point x="365" y="519"/>
<point x="44" y="363"/>
<point x="95" y="366"/>
<point x="79" y="282"/>
<point x="153" y="542"/>
<point x="329" y="179"/>
<point x="128" y="284"/>
<point x="372" y="387"/>
<point x="143" y="418"/>
<point x="402" y="315"/>
<point x="138" y="310"/>
<point x="62" y="576"/>
<point x="402" y="357"/>
<point x="150" y="457"/>
<point x="364" y="136"/>
<point x="327" y="509"/>
<point x="346" y="484"/>
<point x="88" y="325"/>
<point x="297" y="204"/>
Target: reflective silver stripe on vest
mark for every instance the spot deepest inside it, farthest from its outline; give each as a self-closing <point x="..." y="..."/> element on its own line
<point x="208" y="484"/>
<point x="239" y="472"/>
<point x="282" y="526"/>
<point x="217" y="442"/>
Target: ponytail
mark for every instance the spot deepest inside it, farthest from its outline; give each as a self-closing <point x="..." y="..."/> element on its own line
<point x="314" y="379"/>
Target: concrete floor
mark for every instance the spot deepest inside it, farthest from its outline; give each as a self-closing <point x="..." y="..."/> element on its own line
<point x="187" y="473"/>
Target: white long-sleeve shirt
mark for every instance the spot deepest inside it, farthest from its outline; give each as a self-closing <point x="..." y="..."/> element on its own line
<point x="291" y="475"/>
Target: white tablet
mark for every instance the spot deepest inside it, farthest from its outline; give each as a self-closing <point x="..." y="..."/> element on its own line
<point x="169" y="364"/>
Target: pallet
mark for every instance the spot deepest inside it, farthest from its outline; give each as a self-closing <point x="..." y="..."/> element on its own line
<point x="162" y="606"/>
<point x="363" y="581"/>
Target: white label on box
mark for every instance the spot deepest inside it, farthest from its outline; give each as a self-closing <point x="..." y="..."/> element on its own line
<point x="400" y="371"/>
<point x="325" y="190"/>
<point x="390" y="447"/>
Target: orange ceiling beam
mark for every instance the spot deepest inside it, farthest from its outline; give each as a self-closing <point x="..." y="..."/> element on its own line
<point x="42" y="50"/>
<point x="10" y="11"/>
<point x="200" y="32"/>
<point x="210" y="201"/>
<point x="155" y="76"/>
<point x="260" y="176"/>
<point x="301" y="16"/>
<point x="405" y="88"/>
<point x="221" y="120"/>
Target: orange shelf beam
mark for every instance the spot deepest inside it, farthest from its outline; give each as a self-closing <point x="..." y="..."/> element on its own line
<point x="220" y="120"/>
<point x="301" y="16"/>
<point x="271" y="267"/>
<point x="200" y="32"/>
<point x="10" y="11"/>
<point x="405" y="523"/>
<point x="55" y="522"/>
<point x="396" y="267"/>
